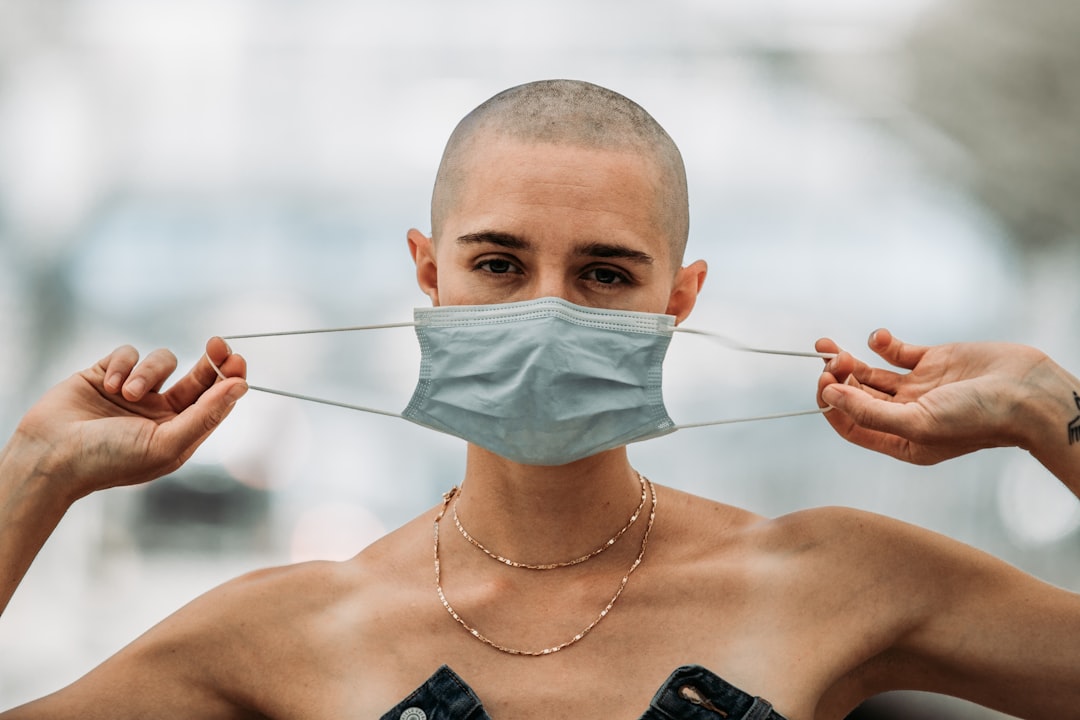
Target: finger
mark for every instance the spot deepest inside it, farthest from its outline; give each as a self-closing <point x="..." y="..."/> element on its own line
<point x="853" y="381"/>
<point x="884" y="383"/>
<point x="895" y="352"/>
<point x="899" y="430"/>
<point x="854" y="419"/>
<point x="826" y="345"/>
<point x="116" y="366"/>
<point x="826" y="379"/>
<point x="904" y="419"/>
<point x="218" y="350"/>
<point x="845" y="368"/>
<point x="230" y="364"/>
<point x="179" y="437"/>
<point x="842" y="365"/>
<point x="202" y="375"/>
<point x="880" y="442"/>
<point x="847" y="428"/>
<point x="234" y="366"/>
<point x="149" y="375"/>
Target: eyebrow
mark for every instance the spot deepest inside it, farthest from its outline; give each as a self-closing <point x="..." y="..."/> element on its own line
<point x="595" y="249"/>
<point x="490" y="237"/>
<point x="611" y="250"/>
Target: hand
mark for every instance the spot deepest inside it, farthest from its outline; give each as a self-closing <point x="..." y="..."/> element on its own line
<point x="955" y="399"/>
<point x="111" y="425"/>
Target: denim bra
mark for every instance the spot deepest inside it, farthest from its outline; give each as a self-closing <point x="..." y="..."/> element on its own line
<point x="690" y="693"/>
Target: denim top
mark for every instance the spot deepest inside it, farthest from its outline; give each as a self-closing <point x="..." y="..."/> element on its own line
<point x="690" y="693"/>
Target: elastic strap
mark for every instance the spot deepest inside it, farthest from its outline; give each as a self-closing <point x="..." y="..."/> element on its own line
<point x="774" y="416"/>
<point x="726" y="341"/>
<point x="322" y="330"/>
<point x="309" y="398"/>
<point x="736" y="345"/>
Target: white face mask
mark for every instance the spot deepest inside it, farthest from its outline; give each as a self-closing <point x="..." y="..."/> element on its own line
<point x="542" y="382"/>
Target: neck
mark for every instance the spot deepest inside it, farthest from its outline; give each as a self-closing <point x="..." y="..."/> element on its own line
<point x="539" y="514"/>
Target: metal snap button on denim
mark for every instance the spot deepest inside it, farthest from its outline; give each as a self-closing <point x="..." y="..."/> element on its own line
<point x="414" y="713"/>
<point x="693" y="696"/>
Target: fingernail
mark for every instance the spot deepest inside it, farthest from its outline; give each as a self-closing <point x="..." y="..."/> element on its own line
<point x="236" y="392"/>
<point x="831" y="395"/>
<point x="852" y="381"/>
<point x="136" y="387"/>
<point x="112" y="384"/>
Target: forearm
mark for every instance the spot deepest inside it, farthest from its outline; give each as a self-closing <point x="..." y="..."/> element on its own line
<point x="1051" y="420"/>
<point x="29" y="513"/>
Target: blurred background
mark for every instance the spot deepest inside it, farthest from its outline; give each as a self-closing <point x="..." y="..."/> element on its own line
<point x="173" y="170"/>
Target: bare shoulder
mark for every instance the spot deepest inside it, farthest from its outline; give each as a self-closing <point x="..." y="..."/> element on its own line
<point x="822" y="530"/>
<point x="858" y="549"/>
<point x="202" y="661"/>
<point x="831" y="559"/>
<point x="689" y="518"/>
<point x="316" y="604"/>
<point x="834" y="529"/>
<point x="864" y="539"/>
<point x="849" y="539"/>
<point x="265" y="644"/>
<point x="878" y="603"/>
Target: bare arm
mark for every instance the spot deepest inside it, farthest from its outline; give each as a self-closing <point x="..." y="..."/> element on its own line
<point x="111" y="425"/>
<point x="262" y="645"/>
<point x="936" y="615"/>
<point x="267" y="644"/>
<point x="106" y="426"/>
<point x="981" y="630"/>
<point x="1003" y="639"/>
<point x="988" y="633"/>
<point x="949" y="400"/>
<point x="201" y="662"/>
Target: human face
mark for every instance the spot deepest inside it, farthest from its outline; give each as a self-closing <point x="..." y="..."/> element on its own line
<point x="544" y="220"/>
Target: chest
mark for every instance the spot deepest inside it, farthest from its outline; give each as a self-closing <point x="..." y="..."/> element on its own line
<point x="755" y="644"/>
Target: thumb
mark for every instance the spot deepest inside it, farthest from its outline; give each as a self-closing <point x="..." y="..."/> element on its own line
<point x="867" y="411"/>
<point x="906" y="420"/>
<point x="184" y="433"/>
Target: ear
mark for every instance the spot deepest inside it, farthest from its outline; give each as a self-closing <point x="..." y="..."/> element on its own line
<point x="684" y="292"/>
<point x="422" y="250"/>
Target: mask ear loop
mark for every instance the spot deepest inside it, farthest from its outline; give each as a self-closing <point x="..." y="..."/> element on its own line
<point x="734" y="345"/>
<point x="309" y="398"/>
<point x="724" y="340"/>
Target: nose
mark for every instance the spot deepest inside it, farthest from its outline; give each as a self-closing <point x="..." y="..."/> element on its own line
<point x="552" y="283"/>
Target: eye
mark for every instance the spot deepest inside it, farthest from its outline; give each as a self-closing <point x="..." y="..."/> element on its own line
<point x="497" y="266"/>
<point x="606" y="276"/>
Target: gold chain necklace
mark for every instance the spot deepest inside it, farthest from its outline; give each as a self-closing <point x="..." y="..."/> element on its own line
<point x="556" y="648"/>
<point x="552" y="566"/>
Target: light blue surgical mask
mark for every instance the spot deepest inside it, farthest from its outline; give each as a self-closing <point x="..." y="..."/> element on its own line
<point x="541" y="382"/>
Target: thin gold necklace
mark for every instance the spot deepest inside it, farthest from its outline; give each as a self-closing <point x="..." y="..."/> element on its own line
<point x="555" y="648"/>
<point x="567" y="563"/>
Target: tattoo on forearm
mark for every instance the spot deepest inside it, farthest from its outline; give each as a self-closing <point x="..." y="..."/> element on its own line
<point x="1074" y="425"/>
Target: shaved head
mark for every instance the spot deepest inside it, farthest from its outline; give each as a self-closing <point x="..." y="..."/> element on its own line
<point x="570" y="113"/>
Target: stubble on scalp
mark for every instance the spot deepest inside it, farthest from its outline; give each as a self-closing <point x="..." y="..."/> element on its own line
<point x="574" y="113"/>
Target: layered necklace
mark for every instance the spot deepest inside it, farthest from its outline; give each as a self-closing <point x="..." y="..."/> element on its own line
<point x="647" y="490"/>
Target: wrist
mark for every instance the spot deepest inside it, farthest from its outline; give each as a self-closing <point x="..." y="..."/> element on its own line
<point x="25" y="472"/>
<point x="1049" y="420"/>
<point x="1045" y="406"/>
<point x="30" y="509"/>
